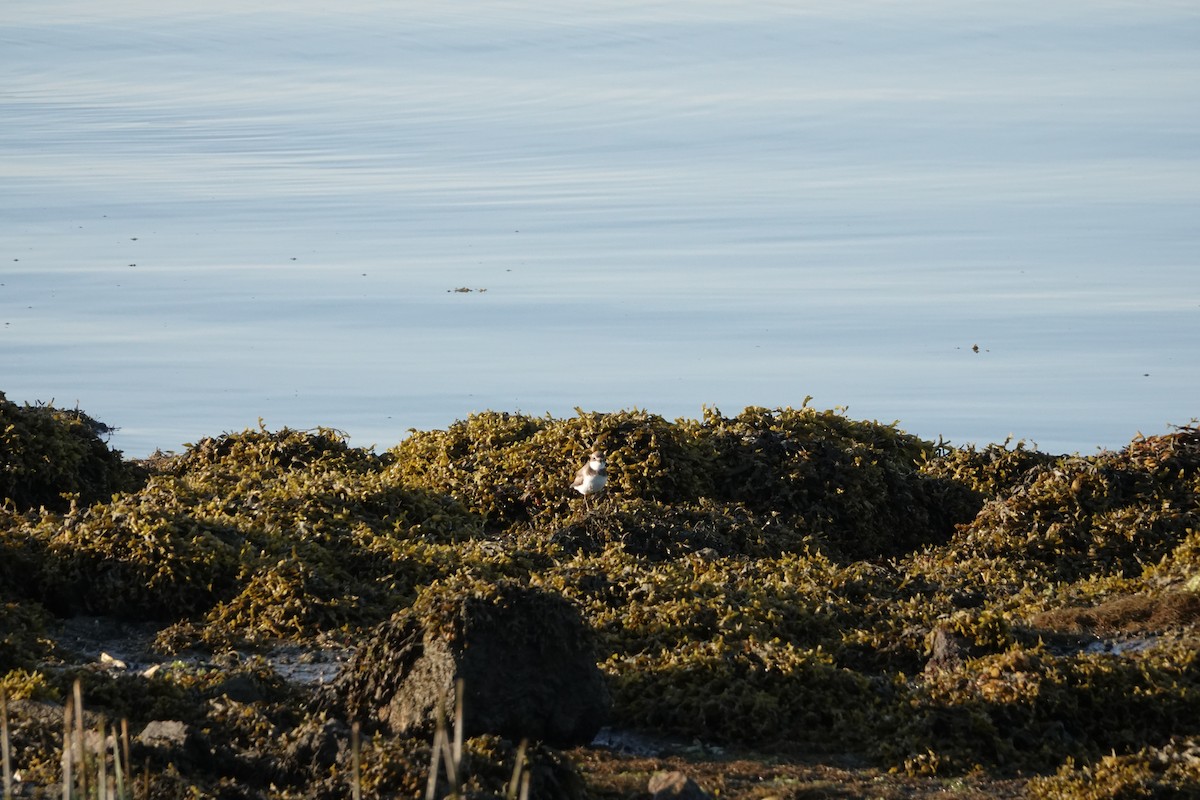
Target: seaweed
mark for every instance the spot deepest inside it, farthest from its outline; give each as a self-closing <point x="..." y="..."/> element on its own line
<point x="51" y="456"/>
<point x="782" y="578"/>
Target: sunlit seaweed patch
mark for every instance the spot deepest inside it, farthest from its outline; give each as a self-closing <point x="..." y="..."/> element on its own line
<point x="266" y="546"/>
<point x="856" y="486"/>
<point x="762" y="692"/>
<point x="1170" y="771"/>
<point x="777" y="578"/>
<point x="1029" y="708"/>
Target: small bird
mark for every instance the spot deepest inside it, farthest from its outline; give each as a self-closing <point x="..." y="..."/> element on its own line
<point x="591" y="477"/>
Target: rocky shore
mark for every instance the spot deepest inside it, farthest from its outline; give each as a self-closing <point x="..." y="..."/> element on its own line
<point x="783" y="603"/>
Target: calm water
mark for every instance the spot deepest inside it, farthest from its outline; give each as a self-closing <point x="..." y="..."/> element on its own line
<point x="210" y="215"/>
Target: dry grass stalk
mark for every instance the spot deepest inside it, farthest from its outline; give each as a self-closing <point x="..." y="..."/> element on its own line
<point x="80" y="746"/>
<point x="118" y="767"/>
<point x="458" y="724"/>
<point x="5" y="752"/>
<point x="356" y="754"/>
<point x="450" y="764"/>
<point x="78" y="762"/>
<point x="447" y="752"/>
<point x="128" y="761"/>
<point x="101" y="763"/>
<point x="434" y="762"/>
<point x="520" y="777"/>
<point x="68" y="720"/>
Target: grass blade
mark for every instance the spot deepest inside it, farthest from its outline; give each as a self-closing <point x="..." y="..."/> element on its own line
<point x="118" y="768"/>
<point x="128" y="761"/>
<point x="6" y="754"/>
<point x="518" y="771"/>
<point x="450" y="764"/>
<point x="356" y="755"/>
<point x="102" y="765"/>
<point x="458" y="723"/>
<point x="80" y="747"/>
<point x="68" y="721"/>
<point x="435" y="758"/>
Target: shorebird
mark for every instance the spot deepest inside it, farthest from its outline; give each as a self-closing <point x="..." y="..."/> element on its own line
<point x="591" y="477"/>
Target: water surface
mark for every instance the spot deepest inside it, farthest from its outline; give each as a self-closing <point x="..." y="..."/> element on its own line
<point x="210" y="215"/>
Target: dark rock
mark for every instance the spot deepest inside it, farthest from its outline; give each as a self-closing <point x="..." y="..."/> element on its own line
<point x="315" y="745"/>
<point x="240" y="688"/>
<point x="946" y="651"/>
<point x="675" y="786"/>
<point x="165" y="733"/>
<point x="36" y="725"/>
<point x="526" y="659"/>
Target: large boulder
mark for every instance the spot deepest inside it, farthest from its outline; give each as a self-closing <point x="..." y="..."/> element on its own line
<point x="675" y="786"/>
<point x="526" y="659"/>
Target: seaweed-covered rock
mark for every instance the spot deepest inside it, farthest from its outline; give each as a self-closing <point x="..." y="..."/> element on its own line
<point x="138" y="557"/>
<point x="524" y="655"/>
<point x="661" y="531"/>
<point x="675" y="785"/>
<point x="857" y="485"/>
<point x="48" y="454"/>
<point x="783" y="577"/>
<point x="511" y="468"/>
<point x="251" y="536"/>
<point x="1172" y="771"/>
<point x="314" y="745"/>
<point x="22" y="635"/>
<point x="1032" y="708"/>
<point x="1108" y="514"/>
<point x="750" y="691"/>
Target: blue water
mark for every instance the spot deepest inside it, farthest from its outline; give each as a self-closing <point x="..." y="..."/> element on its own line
<point x="210" y="215"/>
